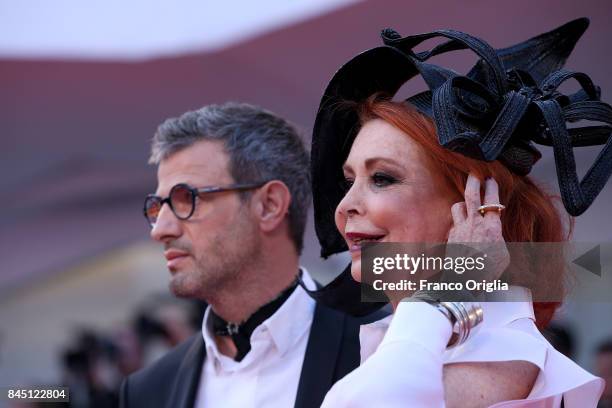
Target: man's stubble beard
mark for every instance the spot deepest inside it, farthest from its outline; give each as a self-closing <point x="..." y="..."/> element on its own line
<point x="224" y="264"/>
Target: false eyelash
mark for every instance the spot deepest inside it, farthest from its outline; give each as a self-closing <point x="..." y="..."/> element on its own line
<point x="385" y="178"/>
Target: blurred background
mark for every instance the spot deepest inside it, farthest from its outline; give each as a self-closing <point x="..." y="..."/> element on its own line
<point x="83" y="86"/>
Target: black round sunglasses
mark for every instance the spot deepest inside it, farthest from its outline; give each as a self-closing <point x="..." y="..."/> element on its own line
<point x="182" y="199"/>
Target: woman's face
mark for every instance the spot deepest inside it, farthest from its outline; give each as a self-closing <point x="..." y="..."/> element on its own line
<point x="392" y="195"/>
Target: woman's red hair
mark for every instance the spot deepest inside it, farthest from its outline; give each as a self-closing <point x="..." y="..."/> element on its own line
<point x="530" y="214"/>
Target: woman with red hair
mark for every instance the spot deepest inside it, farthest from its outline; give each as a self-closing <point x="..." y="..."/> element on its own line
<point x="450" y="165"/>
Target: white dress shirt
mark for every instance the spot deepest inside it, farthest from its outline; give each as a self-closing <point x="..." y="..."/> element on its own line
<point x="403" y="356"/>
<point x="268" y="375"/>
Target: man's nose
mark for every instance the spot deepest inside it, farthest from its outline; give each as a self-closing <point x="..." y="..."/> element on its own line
<point x="167" y="227"/>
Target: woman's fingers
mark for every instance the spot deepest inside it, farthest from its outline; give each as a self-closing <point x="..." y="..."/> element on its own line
<point x="458" y="212"/>
<point x="491" y="196"/>
<point x="472" y="195"/>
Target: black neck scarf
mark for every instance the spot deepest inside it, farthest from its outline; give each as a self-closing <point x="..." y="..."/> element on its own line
<point x="241" y="332"/>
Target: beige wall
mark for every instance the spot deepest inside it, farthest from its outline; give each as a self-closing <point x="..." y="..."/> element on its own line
<point x="36" y="322"/>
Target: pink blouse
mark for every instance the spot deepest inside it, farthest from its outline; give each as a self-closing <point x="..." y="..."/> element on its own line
<point x="402" y="358"/>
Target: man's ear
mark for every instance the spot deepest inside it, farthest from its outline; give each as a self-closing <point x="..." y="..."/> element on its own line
<point x="272" y="204"/>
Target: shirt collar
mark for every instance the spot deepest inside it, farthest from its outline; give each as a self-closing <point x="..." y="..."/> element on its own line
<point x="285" y="327"/>
<point x="292" y="319"/>
<point x="508" y="306"/>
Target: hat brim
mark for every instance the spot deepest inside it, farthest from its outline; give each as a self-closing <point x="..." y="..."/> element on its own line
<point x="378" y="70"/>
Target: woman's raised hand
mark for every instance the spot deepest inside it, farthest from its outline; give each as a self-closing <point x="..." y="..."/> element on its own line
<point x="473" y="229"/>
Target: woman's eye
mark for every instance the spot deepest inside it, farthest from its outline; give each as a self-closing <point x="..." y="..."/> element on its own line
<point x="382" y="179"/>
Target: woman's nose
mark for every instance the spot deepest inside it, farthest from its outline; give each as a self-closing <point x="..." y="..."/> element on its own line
<point x="352" y="203"/>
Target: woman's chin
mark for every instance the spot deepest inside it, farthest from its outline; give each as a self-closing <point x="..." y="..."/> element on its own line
<point x="356" y="269"/>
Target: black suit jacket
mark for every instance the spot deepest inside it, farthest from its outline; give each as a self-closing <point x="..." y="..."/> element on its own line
<point x="332" y="352"/>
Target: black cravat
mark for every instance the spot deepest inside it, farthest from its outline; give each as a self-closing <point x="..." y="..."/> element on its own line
<point x="241" y="332"/>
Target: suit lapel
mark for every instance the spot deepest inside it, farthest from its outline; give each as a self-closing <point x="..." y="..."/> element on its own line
<point x="187" y="380"/>
<point x="332" y="352"/>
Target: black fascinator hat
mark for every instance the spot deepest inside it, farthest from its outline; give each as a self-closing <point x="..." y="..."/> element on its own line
<point x="505" y="105"/>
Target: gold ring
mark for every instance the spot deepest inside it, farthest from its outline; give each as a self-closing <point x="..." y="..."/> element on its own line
<point x="490" y="207"/>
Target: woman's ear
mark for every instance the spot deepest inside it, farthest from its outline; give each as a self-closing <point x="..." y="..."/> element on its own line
<point x="272" y="206"/>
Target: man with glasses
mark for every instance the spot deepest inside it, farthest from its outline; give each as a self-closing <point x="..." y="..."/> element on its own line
<point x="230" y="211"/>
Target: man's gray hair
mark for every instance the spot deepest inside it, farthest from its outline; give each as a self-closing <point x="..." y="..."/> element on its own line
<point x="260" y="146"/>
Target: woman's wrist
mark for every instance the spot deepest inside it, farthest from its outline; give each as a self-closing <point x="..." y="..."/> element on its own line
<point x="464" y="317"/>
<point x="418" y="323"/>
